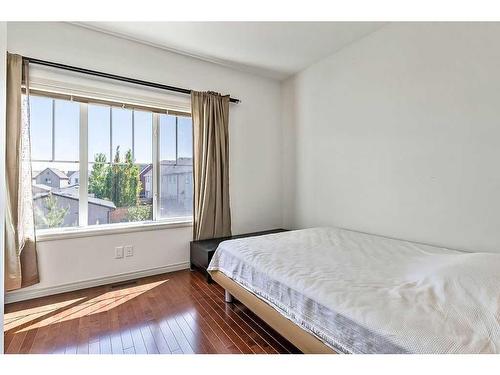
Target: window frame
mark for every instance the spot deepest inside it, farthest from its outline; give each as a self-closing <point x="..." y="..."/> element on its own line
<point x="84" y="229"/>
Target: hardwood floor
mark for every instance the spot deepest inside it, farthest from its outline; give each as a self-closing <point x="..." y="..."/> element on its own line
<point x="171" y="313"/>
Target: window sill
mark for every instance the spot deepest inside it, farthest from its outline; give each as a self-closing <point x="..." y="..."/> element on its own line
<point x="109" y="229"/>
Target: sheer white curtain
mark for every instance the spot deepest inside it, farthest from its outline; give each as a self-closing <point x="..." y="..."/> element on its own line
<point x="21" y="267"/>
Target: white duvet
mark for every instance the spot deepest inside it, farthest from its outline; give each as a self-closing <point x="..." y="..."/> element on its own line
<point x="362" y="293"/>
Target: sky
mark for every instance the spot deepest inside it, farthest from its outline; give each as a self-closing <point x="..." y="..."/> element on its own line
<point x="100" y="129"/>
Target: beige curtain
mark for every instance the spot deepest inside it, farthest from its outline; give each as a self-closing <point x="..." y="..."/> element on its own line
<point x="212" y="216"/>
<point x="20" y="248"/>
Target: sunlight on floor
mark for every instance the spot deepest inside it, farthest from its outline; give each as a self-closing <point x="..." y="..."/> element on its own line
<point x="27" y="319"/>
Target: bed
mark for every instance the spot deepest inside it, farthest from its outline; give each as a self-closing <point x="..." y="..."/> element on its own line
<point x="331" y="290"/>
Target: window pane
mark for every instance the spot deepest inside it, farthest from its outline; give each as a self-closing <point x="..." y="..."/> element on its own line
<point x="175" y="176"/>
<point x="98" y="128"/>
<point x="55" y="200"/>
<point x="143" y="133"/>
<point x="185" y="139"/>
<point x="122" y="130"/>
<point x="167" y="138"/>
<point x="176" y="190"/>
<point x="116" y="193"/>
<point x="66" y="130"/>
<point x="41" y="128"/>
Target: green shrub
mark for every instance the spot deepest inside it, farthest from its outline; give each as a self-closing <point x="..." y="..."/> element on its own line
<point x="140" y="213"/>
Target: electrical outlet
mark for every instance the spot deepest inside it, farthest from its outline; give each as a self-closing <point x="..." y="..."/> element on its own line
<point x="118" y="252"/>
<point x="129" y="251"/>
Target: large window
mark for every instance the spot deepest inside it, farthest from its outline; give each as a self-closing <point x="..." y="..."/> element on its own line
<point x="97" y="164"/>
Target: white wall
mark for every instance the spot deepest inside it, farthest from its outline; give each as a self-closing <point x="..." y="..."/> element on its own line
<point x="3" y="50"/>
<point x="255" y="145"/>
<point x="399" y="134"/>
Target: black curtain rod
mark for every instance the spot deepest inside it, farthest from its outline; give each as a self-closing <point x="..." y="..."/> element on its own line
<point x="113" y="76"/>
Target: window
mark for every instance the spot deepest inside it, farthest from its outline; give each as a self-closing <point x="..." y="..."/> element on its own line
<point x="99" y="164"/>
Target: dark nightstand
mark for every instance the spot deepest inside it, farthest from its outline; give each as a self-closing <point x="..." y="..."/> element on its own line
<point x="201" y="251"/>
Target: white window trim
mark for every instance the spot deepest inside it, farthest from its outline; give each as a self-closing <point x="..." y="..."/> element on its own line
<point x="156" y="163"/>
<point x="83" y="197"/>
<point x="86" y="230"/>
<point x="43" y="235"/>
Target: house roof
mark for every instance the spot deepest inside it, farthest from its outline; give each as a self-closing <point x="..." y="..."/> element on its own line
<point x="175" y="169"/>
<point x="56" y="171"/>
<point x="185" y="161"/>
<point x="170" y="169"/>
<point x="146" y="169"/>
<point x="71" y="192"/>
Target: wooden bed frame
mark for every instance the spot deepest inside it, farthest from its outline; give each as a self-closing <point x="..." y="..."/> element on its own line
<point x="302" y="339"/>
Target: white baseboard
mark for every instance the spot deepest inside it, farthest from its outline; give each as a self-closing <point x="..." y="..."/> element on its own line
<point x="22" y="295"/>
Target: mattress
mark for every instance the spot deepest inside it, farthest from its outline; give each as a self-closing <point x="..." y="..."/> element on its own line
<point x="361" y="293"/>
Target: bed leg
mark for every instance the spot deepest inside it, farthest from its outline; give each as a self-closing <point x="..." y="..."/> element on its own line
<point x="228" y="297"/>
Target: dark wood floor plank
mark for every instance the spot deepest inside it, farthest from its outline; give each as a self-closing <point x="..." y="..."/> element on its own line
<point x="83" y="336"/>
<point x="184" y="307"/>
<point x="265" y="340"/>
<point x="237" y="332"/>
<point x="222" y="330"/>
<point x="104" y="331"/>
<point x="54" y="338"/>
<point x="163" y="308"/>
<point x="130" y="350"/>
<point x="94" y="347"/>
<point x="179" y="336"/>
<point x="16" y="343"/>
<point x="277" y="341"/>
<point x="259" y="327"/>
<point x="160" y="341"/>
<point x="139" y="345"/>
<point x="63" y="338"/>
<point x="149" y="340"/>
<point x="211" y="332"/>
<point x="226" y="326"/>
<point x="114" y="335"/>
<point x="173" y="313"/>
<point x="253" y="340"/>
<point x="124" y="322"/>
<point x="197" y="330"/>
<point x="8" y="336"/>
<point x="105" y="344"/>
<point x="170" y="294"/>
<point x="116" y="343"/>
<point x="38" y="346"/>
<point x="71" y="342"/>
<point x="28" y="341"/>
<point x="196" y="339"/>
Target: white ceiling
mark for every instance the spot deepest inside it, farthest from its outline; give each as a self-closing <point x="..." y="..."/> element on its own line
<point x="273" y="49"/>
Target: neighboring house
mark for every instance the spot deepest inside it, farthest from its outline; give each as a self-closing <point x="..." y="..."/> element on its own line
<point x="52" y="177"/>
<point x="146" y="177"/>
<point x="98" y="212"/>
<point x="74" y="177"/>
<point x="176" y="186"/>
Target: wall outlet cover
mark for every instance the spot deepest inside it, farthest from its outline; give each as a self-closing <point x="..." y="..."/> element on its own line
<point x="118" y="252"/>
<point x="129" y="251"/>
